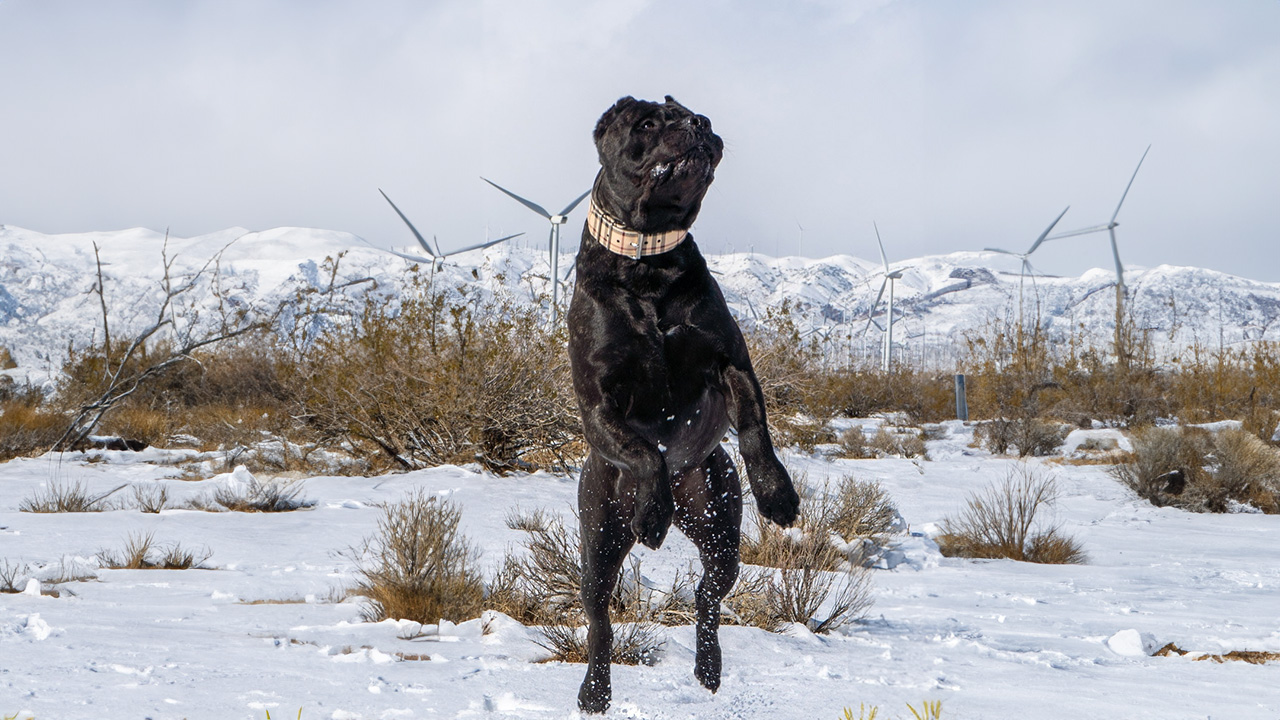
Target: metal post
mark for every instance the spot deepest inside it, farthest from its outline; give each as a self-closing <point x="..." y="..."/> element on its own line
<point x="962" y="404"/>
<point x="555" y="276"/>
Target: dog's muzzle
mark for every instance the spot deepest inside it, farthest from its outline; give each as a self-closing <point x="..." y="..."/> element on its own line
<point x="611" y="233"/>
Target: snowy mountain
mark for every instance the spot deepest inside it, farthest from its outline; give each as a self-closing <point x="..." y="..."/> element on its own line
<point x="48" y="301"/>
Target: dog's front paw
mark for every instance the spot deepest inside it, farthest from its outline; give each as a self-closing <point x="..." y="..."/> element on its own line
<point x="654" y="511"/>
<point x="776" y="497"/>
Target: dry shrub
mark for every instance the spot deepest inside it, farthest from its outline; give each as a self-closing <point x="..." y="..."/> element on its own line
<point x="1002" y="522"/>
<point x="419" y="566"/>
<point x="541" y="588"/>
<point x="853" y="445"/>
<point x="861" y="509"/>
<point x="151" y="498"/>
<point x="262" y="496"/>
<point x="1028" y="435"/>
<point x="140" y="424"/>
<point x="802" y="432"/>
<point x="27" y="426"/>
<point x="898" y="442"/>
<point x="444" y="378"/>
<point x="140" y="552"/>
<point x="67" y="498"/>
<point x="799" y="570"/>
<point x="1221" y="471"/>
<point x="13" y="576"/>
<point x="1247" y="471"/>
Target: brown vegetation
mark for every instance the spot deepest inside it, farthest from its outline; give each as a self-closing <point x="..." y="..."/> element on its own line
<point x="419" y="566"/>
<point x="1218" y="469"/>
<point x="1005" y="521"/>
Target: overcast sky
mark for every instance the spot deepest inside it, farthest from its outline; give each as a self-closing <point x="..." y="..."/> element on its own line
<point x="954" y="125"/>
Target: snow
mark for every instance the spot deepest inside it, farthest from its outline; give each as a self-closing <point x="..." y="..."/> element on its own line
<point x="260" y="630"/>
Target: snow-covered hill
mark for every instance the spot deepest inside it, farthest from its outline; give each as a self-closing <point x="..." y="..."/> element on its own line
<point x="47" y="298"/>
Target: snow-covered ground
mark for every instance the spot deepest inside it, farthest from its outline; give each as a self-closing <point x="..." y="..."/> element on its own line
<point x="259" y="631"/>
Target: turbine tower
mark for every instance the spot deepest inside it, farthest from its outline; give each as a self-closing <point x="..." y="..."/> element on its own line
<point x="436" y="256"/>
<point x="553" y="241"/>
<point x="1026" y="261"/>
<point x="886" y="358"/>
<point x="1110" y="227"/>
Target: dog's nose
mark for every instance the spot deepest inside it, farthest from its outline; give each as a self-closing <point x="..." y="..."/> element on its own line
<point x="698" y="122"/>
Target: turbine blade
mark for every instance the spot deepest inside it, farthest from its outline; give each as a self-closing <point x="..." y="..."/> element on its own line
<point x="998" y="250"/>
<point x="875" y="304"/>
<point x="569" y="208"/>
<point x="883" y="259"/>
<point x="1082" y="231"/>
<point x="1126" y="187"/>
<point x="527" y="203"/>
<point x="436" y="241"/>
<point x="414" y="258"/>
<point x="412" y="229"/>
<point x="479" y="246"/>
<point x="1047" y="230"/>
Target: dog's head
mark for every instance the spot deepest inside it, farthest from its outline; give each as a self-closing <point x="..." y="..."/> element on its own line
<point x="657" y="161"/>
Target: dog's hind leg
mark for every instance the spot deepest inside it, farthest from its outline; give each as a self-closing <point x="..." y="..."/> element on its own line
<point x="603" y="515"/>
<point x="709" y="513"/>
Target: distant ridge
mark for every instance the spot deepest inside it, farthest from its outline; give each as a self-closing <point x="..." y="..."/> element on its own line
<point x="46" y="283"/>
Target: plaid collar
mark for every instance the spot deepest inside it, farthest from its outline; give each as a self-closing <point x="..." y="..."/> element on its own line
<point x="611" y="233"/>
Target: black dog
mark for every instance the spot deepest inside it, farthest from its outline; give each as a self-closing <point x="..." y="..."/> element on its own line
<point x="661" y="373"/>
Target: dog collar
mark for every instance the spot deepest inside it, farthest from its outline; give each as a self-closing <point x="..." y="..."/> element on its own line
<point x="611" y="233"/>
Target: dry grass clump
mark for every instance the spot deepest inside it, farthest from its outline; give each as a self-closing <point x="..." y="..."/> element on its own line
<point x="27" y="425"/>
<point x="151" y="498"/>
<point x="898" y="442"/>
<point x="13" y="576"/>
<point x="1004" y="521"/>
<point x="541" y="588"/>
<point x="67" y="498"/>
<point x="140" y="552"/>
<point x="800" y="571"/>
<point x="1218" y="472"/>
<point x="262" y="496"/>
<point x="1252" y="657"/>
<point x="419" y="566"/>
<point x="1026" y="435"/>
<point x="861" y="509"/>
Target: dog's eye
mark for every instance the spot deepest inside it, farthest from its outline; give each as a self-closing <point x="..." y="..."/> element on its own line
<point x="648" y="124"/>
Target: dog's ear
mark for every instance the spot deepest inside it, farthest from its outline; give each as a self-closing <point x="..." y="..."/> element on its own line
<point x="610" y="115"/>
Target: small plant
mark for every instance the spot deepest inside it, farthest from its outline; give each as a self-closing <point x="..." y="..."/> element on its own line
<point x="13" y="576"/>
<point x="1001" y="522"/>
<point x="259" y="496"/>
<point x="67" y="498"/>
<point x="929" y="710"/>
<point x="419" y="566"/>
<point x="542" y="587"/>
<point x="1027" y="435"/>
<point x="151" y="498"/>
<point x="862" y="509"/>
<point x="807" y="576"/>
<point x="141" y="553"/>
<point x="898" y="443"/>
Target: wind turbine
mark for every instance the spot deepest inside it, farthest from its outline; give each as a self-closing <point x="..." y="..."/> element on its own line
<point x="1110" y="227"/>
<point x="435" y="254"/>
<point x="1025" y="257"/>
<point x="889" y="277"/>
<point x="553" y="240"/>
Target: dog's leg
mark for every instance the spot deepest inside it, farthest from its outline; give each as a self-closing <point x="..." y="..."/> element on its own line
<point x="613" y="439"/>
<point x="605" y="542"/>
<point x="775" y="496"/>
<point x="709" y="513"/>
